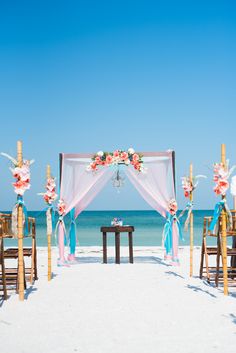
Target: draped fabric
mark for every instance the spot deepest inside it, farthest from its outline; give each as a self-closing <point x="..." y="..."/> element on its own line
<point x="156" y="186"/>
<point x="79" y="187"/>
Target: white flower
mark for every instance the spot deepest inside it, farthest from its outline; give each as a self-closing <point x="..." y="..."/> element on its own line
<point x="127" y="161"/>
<point x="100" y="153"/>
<point x="131" y="150"/>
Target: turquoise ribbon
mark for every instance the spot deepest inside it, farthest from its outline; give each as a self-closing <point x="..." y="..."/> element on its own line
<point x="20" y="202"/>
<point x="72" y="233"/>
<point x="217" y="211"/>
<point x="167" y="232"/>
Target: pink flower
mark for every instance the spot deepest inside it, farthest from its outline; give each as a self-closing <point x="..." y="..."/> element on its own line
<point x="61" y="207"/>
<point x="116" y="153"/>
<point x="135" y="157"/>
<point x="124" y="156"/>
<point x="186" y="194"/>
<point x="94" y="166"/>
<point x="109" y="159"/>
<point x="137" y="166"/>
<point x="173" y="207"/>
<point x="223" y="183"/>
<point x="98" y="160"/>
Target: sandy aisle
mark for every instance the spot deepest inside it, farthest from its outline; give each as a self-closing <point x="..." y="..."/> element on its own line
<point x="94" y="308"/>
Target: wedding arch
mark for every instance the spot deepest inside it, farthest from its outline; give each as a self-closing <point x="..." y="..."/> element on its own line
<point x="83" y="176"/>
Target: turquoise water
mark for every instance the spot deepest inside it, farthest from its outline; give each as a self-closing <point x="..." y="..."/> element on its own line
<point x="148" y="227"/>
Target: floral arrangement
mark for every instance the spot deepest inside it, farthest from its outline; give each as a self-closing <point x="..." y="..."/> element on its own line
<point x="172" y="207"/>
<point x="61" y="207"/>
<point x="50" y="195"/>
<point x="221" y="176"/>
<point x="21" y="174"/>
<point x="117" y="222"/>
<point x="117" y="157"/>
<point x="189" y="186"/>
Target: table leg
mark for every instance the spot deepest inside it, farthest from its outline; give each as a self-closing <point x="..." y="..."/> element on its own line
<point x="104" y="247"/>
<point x="131" y="257"/>
<point x="117" y="242"/>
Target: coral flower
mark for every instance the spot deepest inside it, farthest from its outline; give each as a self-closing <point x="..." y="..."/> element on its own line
<point x="116" y="153"/>
<point x="137" y="166"/>
<point x="109" y="159"/>
<point x="98" y="160"/>
<point x="136" y="157"/>
<point x="124" y="156"/>
<point x="173" y="207"/>
<point x="94" y="166"/>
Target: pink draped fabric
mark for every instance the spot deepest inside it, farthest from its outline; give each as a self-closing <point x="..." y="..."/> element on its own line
<point x="78" y="188"/>
<point x="156" y="186"/>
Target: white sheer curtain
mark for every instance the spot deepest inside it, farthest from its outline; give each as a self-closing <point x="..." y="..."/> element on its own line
<point x="156" y="186"/>
<point x="79" y="186"/>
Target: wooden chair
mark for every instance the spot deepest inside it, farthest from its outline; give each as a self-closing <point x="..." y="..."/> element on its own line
<point x="12" y="253"/>
<point x="215" y="272"/>
<point x="207" y="271"/>
<point x="231" y="253"/>
<point x="3" y="285"/>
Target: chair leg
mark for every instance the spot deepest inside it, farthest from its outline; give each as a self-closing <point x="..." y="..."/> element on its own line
<point x="32" y="269"/>
<point x="35" y="262"/>
<point x="202" y="261"/>
<point x="207" y="264"/>
<point x="4" y="284"/>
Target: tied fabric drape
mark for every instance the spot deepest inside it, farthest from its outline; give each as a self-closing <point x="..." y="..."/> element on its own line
<point x="156" y="186"/>
<point x="78" y="188"/>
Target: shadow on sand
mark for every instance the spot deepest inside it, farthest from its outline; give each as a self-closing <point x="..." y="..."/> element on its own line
<point x="123" y="260"/>
<point x="29" y="291"/>
<point x="200" y="290"/>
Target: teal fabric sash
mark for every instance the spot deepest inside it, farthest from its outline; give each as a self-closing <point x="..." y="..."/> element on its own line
<point x="168" y="230"/>
<point x="217" y="211"/>
<point x="72" y="233"/>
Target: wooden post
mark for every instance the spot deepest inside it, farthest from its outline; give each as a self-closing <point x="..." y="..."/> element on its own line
<point x="49" y="230"/>
<point x="223" y="231"/>
<point x="21" y="275"/>
<point x="191" y="221"/>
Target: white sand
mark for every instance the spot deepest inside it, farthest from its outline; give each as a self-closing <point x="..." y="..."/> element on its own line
<point x="146" y="307"/>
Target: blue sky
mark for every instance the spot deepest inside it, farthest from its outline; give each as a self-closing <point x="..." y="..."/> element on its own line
<point x="81" y="76"/>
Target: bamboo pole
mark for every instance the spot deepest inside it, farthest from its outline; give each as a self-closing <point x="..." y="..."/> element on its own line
<point x="191" y="221"/>
<point x="21" y="276"/>
<point x="223" y="230"/>
<point x="49" y="231"/>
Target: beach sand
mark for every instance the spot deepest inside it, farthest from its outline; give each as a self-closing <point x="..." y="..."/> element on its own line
<point x="146" y="307"/>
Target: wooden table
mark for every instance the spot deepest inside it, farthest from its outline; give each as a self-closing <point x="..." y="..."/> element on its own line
<point x="117" y="230"/>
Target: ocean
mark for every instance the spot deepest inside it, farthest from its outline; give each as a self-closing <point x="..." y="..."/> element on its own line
<point x="148" y="227"/>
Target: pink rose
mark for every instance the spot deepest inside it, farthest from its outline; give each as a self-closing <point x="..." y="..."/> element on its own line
<point x="116" y="153"/>
<point x="124" y="156"/>
<point x="135" y="157"/>
<point x="98" y="160"/>
<point x="109" y="159"/>
<point x="94" y="166"/>
<point x="186" y="194"/>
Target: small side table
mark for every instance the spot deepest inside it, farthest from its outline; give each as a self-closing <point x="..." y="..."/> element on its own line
<point x="117" y="230"/>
